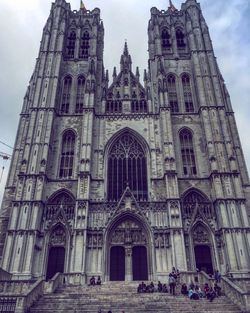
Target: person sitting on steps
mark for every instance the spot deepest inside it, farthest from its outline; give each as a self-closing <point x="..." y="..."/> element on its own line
<point x="99" y="282"/>
<point x="92" y="281"/>
<point x="184" y="289"/>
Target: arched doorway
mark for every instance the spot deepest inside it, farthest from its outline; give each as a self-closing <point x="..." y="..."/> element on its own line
<point x="202" y="249"/>
<point x="56" y="255"/>
<point x="128" y="251"/>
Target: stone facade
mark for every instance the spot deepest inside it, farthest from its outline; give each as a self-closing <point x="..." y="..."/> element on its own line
<point x="151" y="175"/>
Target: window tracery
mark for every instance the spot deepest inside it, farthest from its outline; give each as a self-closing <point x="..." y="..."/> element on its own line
<point x="180" y="39"/>
<point x="165" y="39"/>
<point x="187" y="153"/>
<point x="67" y="155"/>
<point x="84" y="46"/>
<point x="66" y="95"/>
<point x="187" y="93"/>
<point x="80" y="94"/>
<point x="71" y="42"/>
<point x="127" y="167"/>
<point x="172" y="94"/>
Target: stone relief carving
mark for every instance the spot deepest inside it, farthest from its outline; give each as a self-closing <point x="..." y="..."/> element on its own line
<point x="58" y="236"/>
<point x="162" y="240"/>
<point x="128" y="232"/>
<point x="200" y="235"/>
<point x="95" y="240"/>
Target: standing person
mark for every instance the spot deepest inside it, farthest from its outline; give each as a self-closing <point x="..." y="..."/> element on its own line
<point x="172" y="283"/>
<point x="217" y="276"/>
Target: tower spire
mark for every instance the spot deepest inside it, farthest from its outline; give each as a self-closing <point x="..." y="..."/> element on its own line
<point x="172" y="7"/>
<point x="82" y="6"/>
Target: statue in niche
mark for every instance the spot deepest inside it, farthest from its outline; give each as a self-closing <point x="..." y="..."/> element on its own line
<point x="200" y="235"/>
<point x="58" y="236"/>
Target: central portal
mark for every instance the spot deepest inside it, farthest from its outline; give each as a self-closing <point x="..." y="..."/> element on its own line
<point x="128" y="253"/>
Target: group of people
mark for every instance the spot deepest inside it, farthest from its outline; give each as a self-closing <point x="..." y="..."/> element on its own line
<point x="94" y="282"/>
<point x="194" y="292"/>
<point x="143" y="288"/>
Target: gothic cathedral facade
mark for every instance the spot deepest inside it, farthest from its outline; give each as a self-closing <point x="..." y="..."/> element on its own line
<point x="122" y="178"/>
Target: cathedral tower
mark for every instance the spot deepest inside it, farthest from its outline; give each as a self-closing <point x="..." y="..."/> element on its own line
<point x="120" y="178"/>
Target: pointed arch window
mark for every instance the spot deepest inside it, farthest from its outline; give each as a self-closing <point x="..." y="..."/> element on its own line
<point x="165" y="39"/>
<point x="84" y="46"/>
<point x="127" y="167"/>
<point x="180" y="39"/>
<point x="194" y="201"/>
<point x="80" y="94"/>
<point x="71" y="43"/>
<point x="172" y="94"/>
<point x="187" y="153"/>
<point x="187" y="93"/>
<point x="67" y="155"/>
<point x="66" y="94"/>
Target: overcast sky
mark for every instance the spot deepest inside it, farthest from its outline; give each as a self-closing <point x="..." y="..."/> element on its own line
<point x="22" y="21"/>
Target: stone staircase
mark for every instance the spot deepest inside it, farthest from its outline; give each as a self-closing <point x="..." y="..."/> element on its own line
<point x="119" y="296"/>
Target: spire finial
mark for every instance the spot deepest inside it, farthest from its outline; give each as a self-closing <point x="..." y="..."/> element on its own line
<point x="172" y="7"/>
<point x="125" y="51"/>
<point x="82" y="6"/>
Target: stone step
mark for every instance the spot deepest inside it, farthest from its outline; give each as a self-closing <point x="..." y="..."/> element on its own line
<point x="117" y="297"/>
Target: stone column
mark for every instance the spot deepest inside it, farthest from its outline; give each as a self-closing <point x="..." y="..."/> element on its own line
<point x="128" y="264"/>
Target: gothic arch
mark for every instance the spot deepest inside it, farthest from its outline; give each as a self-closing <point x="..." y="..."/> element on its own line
<point x="202" y="252"/>
<point x="128" y="230"/>
<point x="56" y="249"/>
<point x="139" y="161"/>
<point x="195" y="203"/>
<point x="58" y="193"/>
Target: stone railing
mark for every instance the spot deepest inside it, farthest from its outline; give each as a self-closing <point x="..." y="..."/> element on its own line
<point x="24" y="302"/>
<point x="196" y="277"/>
<point x="53" y="284"/>
<point x="74" y="279"/>
<point x="15" y="287"/>
<point x="4" y="275"/>
<point x="236" y="294"/>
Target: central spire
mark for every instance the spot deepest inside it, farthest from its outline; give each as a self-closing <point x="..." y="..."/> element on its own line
<point x="82" y="6"/>
<point x="126" y="62"/>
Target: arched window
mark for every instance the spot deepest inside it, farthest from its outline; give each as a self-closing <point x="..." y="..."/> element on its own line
<point x="187" y="153"/>
<point x="172" y="93"/>
<point x="165" y="39"/>
<point x="127" y="167"/>
<point x="71" y="43"/>
<point x="80" y="94"/>
<point x="187" y="93"/>
<point x="67" y="155"/>
<point x="66" y="92"/>
<point x="180" y="39"/>
<point x="84" y="46"/>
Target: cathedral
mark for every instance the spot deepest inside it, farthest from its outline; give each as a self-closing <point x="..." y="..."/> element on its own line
<point x="124" y="176"/>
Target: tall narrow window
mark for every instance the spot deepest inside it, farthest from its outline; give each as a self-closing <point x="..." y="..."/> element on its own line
<point x="172" y="94"/>
<point x="165" y="39"/>
<point x="71" y="43"/>
<point x="187" y="93"/>
<point x="80" y="94"/>
<point x="127" y="167"/>
<point x="187" y="153"/>
<point x="84" y="47"/>
<point x="67" y="155"/>
<point x="66" y="92"/>
<point x="180" y="39"/>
